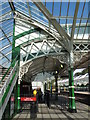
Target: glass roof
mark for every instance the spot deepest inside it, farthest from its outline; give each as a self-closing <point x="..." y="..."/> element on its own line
<point x="63" y="12"/>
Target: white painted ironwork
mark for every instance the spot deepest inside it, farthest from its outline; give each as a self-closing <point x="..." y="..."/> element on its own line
<point x="27" y="16"/>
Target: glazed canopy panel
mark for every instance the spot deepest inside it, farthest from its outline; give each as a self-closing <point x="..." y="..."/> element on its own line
<point x="49" y="20"/>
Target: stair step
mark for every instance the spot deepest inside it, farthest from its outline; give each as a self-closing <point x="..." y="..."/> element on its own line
<point x="3" y="74"/>
<point x="4" y="79"/>
<point x="1" y="86"/>
<point x="6" y="71"/>
<point x="2" y="83"/>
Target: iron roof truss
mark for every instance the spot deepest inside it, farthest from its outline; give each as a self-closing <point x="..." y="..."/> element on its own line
<point x="54" y="29"/>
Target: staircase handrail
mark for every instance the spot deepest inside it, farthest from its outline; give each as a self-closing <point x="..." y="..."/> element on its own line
<point x="12" y="64"/>
<point x="4" y="87"/>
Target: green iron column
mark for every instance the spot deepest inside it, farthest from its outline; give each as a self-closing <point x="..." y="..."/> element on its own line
<point x="15" y="91"/>
<point x="15" y="52"/>
<point x="72" y="105"/>
<point x="18" y="92"/>
<point x="69" y="72"/>
<point x="13" y="42"/>
<point x="18" y="97"/>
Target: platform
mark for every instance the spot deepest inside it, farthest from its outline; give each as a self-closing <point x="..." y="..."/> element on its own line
<point x="57" y="112"/>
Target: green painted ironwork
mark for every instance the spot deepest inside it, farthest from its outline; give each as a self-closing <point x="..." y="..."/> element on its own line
<point x="72" y="105"/>
<point x="69" y="89"/>
<point x="17" y="94"/>
<point x="72" y="90"/>
<point x="26" y="33"/>
<point x="13" y="42"/>
<point x="18" y="97"/>
<point x="7" y="90"/>
<point x="16" y="52"/>
<point x="8" y="87"/>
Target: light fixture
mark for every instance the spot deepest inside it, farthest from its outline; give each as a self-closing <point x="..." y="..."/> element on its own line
<point x="61" y="66"/>
<point x="56" y="72"/>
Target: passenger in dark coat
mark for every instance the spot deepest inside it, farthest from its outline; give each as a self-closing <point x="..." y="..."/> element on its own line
<point x="39" y="95"/>
<point x="48" y="98"/>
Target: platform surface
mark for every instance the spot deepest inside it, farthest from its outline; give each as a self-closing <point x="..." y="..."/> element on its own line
<point x="58" y="111"/>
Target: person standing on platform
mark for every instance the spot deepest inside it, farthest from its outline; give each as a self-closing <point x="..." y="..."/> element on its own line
<point x="48" y="99"/>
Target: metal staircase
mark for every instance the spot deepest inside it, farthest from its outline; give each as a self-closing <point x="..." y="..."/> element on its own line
<point x="8" y="78"/>
<point x="2" y="73"/>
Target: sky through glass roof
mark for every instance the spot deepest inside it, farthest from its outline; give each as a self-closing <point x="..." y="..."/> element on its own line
<point x="63" y="12"/>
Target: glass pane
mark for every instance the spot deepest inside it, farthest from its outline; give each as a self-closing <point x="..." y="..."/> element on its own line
<point x="8" y="49"/>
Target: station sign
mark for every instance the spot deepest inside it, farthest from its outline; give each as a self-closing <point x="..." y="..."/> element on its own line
<point x="28" y="99"/>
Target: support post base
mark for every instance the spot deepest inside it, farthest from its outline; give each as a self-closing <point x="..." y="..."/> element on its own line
<point x="19" y="110"/>
<point x="72" y="110"/>
<point x="56" y="97"/>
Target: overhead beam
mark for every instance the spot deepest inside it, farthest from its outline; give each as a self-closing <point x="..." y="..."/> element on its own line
<point x="6" y="36"/>
<point x="86" y="25"/>
<point x="48" y="15"/>
<point x="5" y="56"/>
<point x="68" y="17"/>
<point x="45" y="2"/>
<point x="34" y="23"/>
<point x="9" y="35"/>
<point x="5" y="63"/>
<point x="60" y="10"/>
<point x="12" y="6"/>
<point x="28" y="8"/>
<point x="74" y="19"/>
<point x="26" y="33"/>
<point x="3" y="48"/>
<point x="53" y="7"/>
<point x="67" y="13"/>
<point x="35" y="40"/>
<point x="24" y="50"/>
<point x="81" y="19"/>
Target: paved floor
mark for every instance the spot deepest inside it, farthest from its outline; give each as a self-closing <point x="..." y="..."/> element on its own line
<point x="58" y="111"/>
